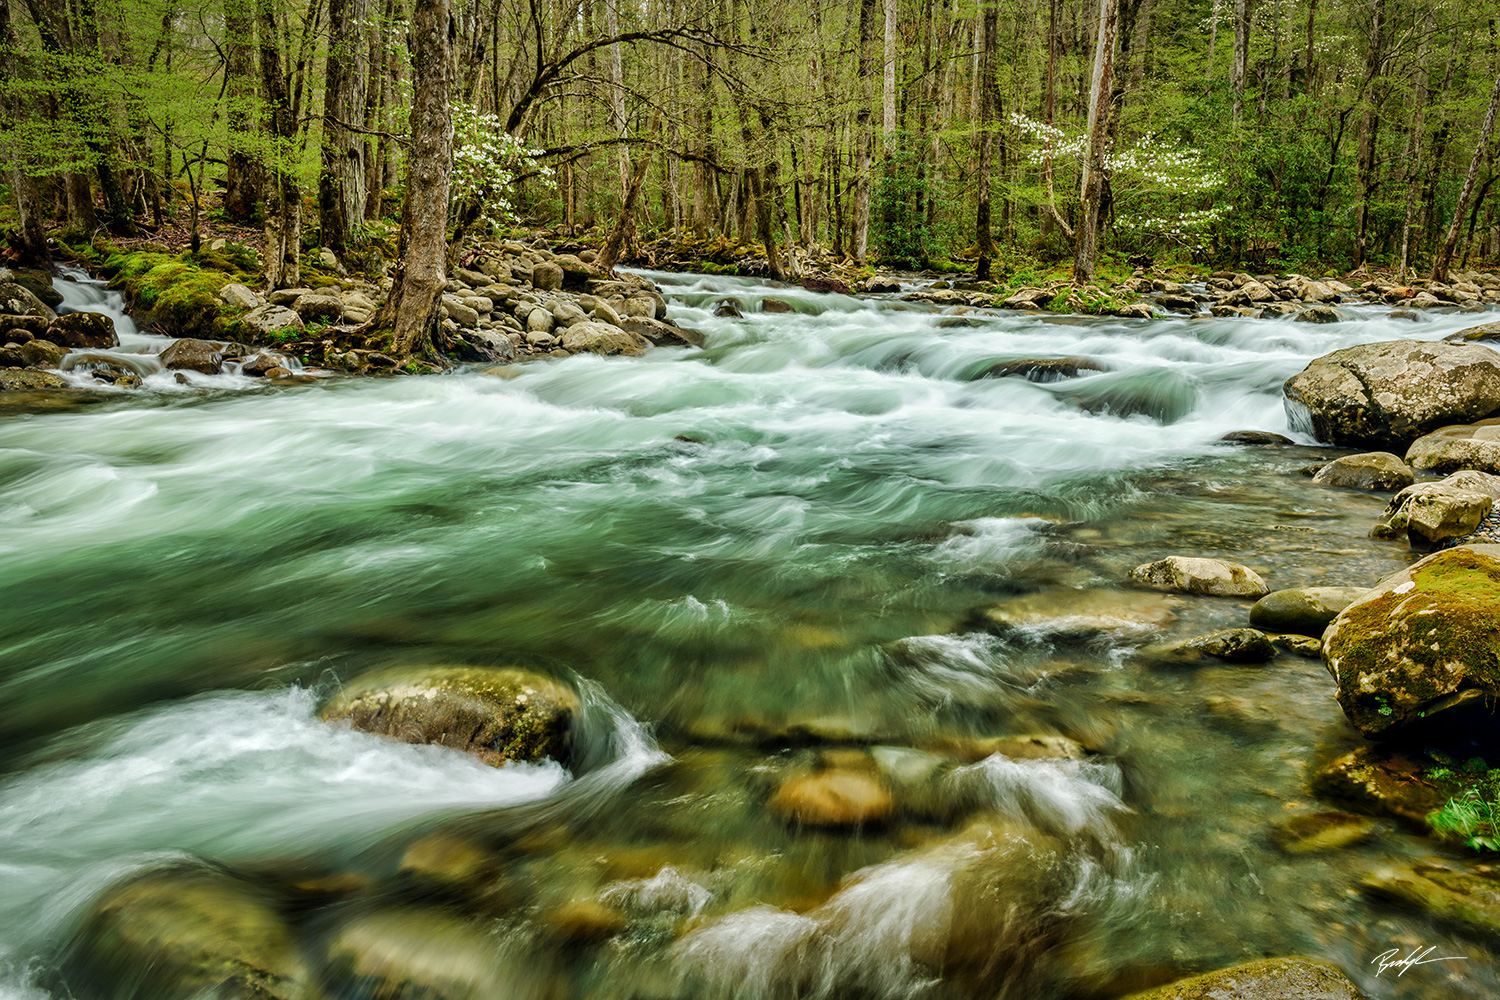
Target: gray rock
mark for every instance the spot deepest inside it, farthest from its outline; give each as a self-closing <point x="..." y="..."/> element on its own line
<point x="1463" y="446"/>
<point x="538" y="320"/>
<point x="600" y="310"/>
<point x="1376" y="470"/>
<point x="27" y="379"/>
<point x="1484" y="332"/>
<point x="474" y="279"/>
<point x="193" y="355"/>
<point x="1067" y="615"/>
<point x="1234" y="645"/>
<point x="459" y="312"/>
<point x="662" y="334"/>
<point x="567" y="313"/>
<point x="1302" y="610"/>
<point x="601" y="338"/>
<point x="324" y="305"/>
<point x="1386" y="395"/>
<point x="239" y="297"/>
<point x="286" y="296"/>
<point x="547" y="277"/>
<point x="1318" y="314"/>
<point x="1436" y="511"/>
<point x="263" y="362"/>
<point x="264" y="321"/>
<point x="729" y="309"/>
<point x="16" y="300"/>
<point x="1192" y="575"/>
<point x="1135" y="310"/>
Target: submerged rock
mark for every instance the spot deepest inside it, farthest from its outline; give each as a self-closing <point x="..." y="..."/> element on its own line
<point x="1420" y="636"/>
<point x="1234" y="645"/>
<point x="837" y="797"/>
<point x="1200" y="576"/>
<point x="1466" y="898"/>
<point x="495" y="714"/>
<point x="183" y="934"/>
<point x="1375" y="470"/>
<point x="1081" y="615"/>
<point x="1267" y="979"/>
<point x="1382" y="782"/>
<point x="1463" y="446"/>
<point x="1324" y="831"/>
<point x="1303" y="610"/>
<point x="1386" y="395"/>
<point x="421" y="953"/>
<point x="1043" y="369"/>
<point x="1255" y="438"/>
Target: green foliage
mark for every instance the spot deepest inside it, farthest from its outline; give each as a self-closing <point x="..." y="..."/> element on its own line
<point x="1473" y="814"/>
<point x="898" y="220"/>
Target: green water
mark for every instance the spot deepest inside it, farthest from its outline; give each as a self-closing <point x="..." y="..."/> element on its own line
<point x="753" y="559"/>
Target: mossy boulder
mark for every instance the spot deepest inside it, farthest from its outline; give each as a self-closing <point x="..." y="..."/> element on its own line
<point x="1388" y="394"/>
<point x="29" y="379"/>
<point x="181" y="296"/>
<point x="1302" y="610"/>
<point x="83" y="331"/>
<point x="17" y="300"/>
<point x="173" y="934"/>
<point x="189" y="354"/>
<point x="1267" y="979"/>
<point x="495" y="714"/>
<point x="1419" y="637"/>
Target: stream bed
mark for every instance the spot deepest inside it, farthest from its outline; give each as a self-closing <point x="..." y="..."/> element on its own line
<point x="751" y="559"/>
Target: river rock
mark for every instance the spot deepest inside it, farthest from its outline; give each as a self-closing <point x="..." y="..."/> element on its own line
<point x="83" y="331"/>
<point x="1080" y="615"/>
<point x="1042" y="369"/>
<point x="237" y="296"/>
<point x="42" y="353"/>
<point x="193" y="355"/>
<point x="600" y="310"/>
<point x="29" y="379"/>
<point x="1134" y="310"/>
<point x="1375" y="470"/>
<point x="1434" y="512"/>
<point x="539" y="320"/>
<point x="270" y="320"/>
<point x="662" y="334"/>
<point x="1302" y="610"/>
<point x="19" y="329"/>
<point x="547" y="276"/>
<point x="1324" y="831"/>
<point x="1422" y="634"/>
<point x="1255" y="438"/>
<point x="1318" y="314"/>
<point x="16" y="300"/>
<point x="1386" y="395"/>
<point x="458" y="311"/>
<point x="1463" y="446"/>
<point x="770" y="305"/>
<point x="1381" y="782"/>
<point x="729" y="309"/>
<point x="263" y="363"/>
<point x="1267" y="979"/>
<point x="181" y="934"/>
<point x="567" y="313"/>
<point x="1234" y="645"/>
<point x="495" y="714"/>
<point x="601" y="338"/>
<point x="1200" y="576"/>
<point x="286" y="296"/>
<point x="1484" y="332"/>
<point x="1468" y="897"/>
<point x="837" y="797"/>
<point x="321" y="304"/>
<point x="419" y="953"/>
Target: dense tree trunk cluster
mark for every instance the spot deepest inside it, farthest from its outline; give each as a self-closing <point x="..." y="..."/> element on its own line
<point x="883" y="130"/>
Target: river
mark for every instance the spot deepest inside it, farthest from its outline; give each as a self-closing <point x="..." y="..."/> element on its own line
<point x="745" y="556"/>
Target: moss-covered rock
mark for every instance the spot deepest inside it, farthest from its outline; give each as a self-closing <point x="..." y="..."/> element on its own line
<point x="83" y="330"/>
<point x="1402" y="785"/>
<point x="29" y="379"/>
<point x="1267" y="979"/>
<point x="1417" y="638"/>
<point x="495" y="714"/>
<point x="176" y="934"/>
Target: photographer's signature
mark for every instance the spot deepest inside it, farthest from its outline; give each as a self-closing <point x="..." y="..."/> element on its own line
<point x="1393" y="959"/>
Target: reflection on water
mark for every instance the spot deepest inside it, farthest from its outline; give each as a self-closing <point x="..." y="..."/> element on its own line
<point x="760" y="563"/>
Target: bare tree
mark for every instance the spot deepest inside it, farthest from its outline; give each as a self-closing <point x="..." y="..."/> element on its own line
<point x="1094" y="188"/>
<point x="1444" y="257"/>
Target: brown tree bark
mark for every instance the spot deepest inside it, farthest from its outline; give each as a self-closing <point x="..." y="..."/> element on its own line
<point x="983" y="240"/>
<point x="1095" y="181"/>
<point x="341" y="185"/>
<point x="864" y="138"/>
<point x="1444" y="258"/>
<point x="246" y="174"/>
<point x="284" y="208"/>
<point x="1243" y="10"/>
<point x="1369" y="126"/>
<point x="413" y="309"/>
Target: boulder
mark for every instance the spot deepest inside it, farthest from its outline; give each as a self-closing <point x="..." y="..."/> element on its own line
<point x="601" y="338"/>
<point x="1386" y="395"/>
<point x="567" y="313"/>
<point x="547" y="277"/>
<point x="729" y="309"/>
<point x="459" y="311"/>
<point x="1483" y="332"/>
<point x="1234" y="645"/>
<point x="1433" y="512"/>
<point x="42" y="353"/>
<point x="1302" y="610"/>
<point x="238" y="296"/>
<point x="1250" y="293"/>
<point x="1255" y="438"/>
<point x="286" y="296"/>
<point x="662" y="334"/>
<point x="422" y="954"/>
<point x="1318" y="291"/>
<point x="29" y="379"/>
<point x="264" y="362"/>
<point x="1029" y="298"/>
<point x="193" y="355"/>
<point x="1375" y="470"/>
<point x="1318" y="314"/>
<point x="1463" y="897"/>
<point x="880" y="285"/>
<point x="319" y="305"/>
<point x="1266" y="979"/>
<point x="1065" y="615"/>
<point x="837" y="797"/>
<point x="1463" y="446"/>
<point x="770" y="305"/>
<point x="1324" y="831"/>
<point x="83" y="331"/>
<point x="1134" y="310"/>
<point x="188" y="933"/>
<point x="268" y="320"/>
<point x="1423" y="634"/>
<point x="1200" y="576"/>
<point x="1043" y="369"/>
<point x="539" y="320"/>
<point x="20" y="329"/>
<point x="495" y="714"/>
<point x="16" y="300"/>
<point x="598" y="309"/>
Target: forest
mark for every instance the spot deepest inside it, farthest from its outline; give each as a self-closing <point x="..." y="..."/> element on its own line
<point x="1285" y="135"/>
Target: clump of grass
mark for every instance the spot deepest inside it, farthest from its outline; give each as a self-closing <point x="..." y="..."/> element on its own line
<point x="1472" y="815"/>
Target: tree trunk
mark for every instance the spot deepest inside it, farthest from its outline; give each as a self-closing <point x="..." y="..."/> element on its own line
<point x="246" y="175"/>
<point x="411" y="313"/>
<point x="341" y="185"/>
<point x="1095" y="168"/>
<point x="284" y="213"/>
<point x="1444" y="256"/>
<point x="30" y="240"/>
<point x="1051" y="108"/>
<point x="622" y="237"/>
<point x="864" y="140"/>
<point x="888" y="104"/>
<point x="1369" y="125"/>
<point x="983" y="240"/>
<point x="1243" y="10"/>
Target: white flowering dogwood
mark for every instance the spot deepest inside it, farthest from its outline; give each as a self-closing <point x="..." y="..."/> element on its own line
<point x="1151" y="179"/>
<point x="487" y="162"/>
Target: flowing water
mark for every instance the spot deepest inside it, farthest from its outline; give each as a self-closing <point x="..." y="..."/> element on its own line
<point x="753" y="559"/>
